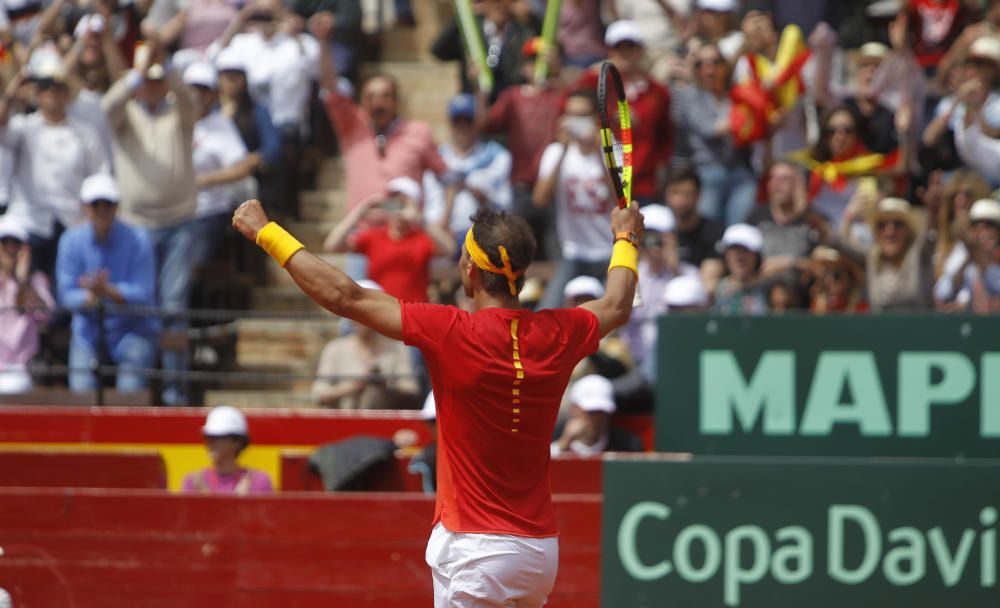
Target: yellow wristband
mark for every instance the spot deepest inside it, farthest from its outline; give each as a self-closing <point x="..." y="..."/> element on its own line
<point x="278" y="244"/>
<point x="626" y="255"/>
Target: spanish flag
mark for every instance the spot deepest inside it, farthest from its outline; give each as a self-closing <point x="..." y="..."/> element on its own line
<point x="771" y="88"/>
<point x="835" y="173"/>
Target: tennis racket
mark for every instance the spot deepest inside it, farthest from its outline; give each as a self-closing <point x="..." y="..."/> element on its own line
<point x="616" y="138"/>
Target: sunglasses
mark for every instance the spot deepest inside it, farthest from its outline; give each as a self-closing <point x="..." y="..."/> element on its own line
<point x="462" y="120"/>
<point x="979" y="62"/>
<point x="841" y="129"/>
<point x="626" y="44"/>
<point x="9" y="240"/>
<point x="897" y="224"/>
<point x="102" y="203"/>
<point x="45" y="84"/>
<point x="838" y="274"/>
<point x="652" y="240"/>
<point x="716" y="61"/>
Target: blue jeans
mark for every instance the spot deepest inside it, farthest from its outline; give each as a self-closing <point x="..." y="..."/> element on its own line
<point x="133" y="351"/>
<point x="728" y="194"/>
<point x="174" y="246"/>
<point x="566" y="271"/>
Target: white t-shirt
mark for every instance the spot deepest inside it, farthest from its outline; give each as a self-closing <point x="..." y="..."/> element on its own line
<point x="51" y="162"/>
<point x="216" y="145"/>
<point x="583" y="200"/>
<point x="486" y="168"/>
<point x="87" y="109"/>
<point x="279" y="72"/>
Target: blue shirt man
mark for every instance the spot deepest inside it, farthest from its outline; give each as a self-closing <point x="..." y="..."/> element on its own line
<point x="106" y="261"/>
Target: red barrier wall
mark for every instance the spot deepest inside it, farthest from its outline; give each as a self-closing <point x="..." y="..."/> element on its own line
<point x="54" y="424"/>
<point x="82" y="470"/>
<point x="117" y="548"/>
<point x="568" y="475"/>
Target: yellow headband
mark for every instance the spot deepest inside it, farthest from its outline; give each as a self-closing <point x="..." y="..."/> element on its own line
<point x="482" y="261"/>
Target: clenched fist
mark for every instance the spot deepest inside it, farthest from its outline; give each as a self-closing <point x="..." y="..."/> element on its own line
<point x="249" y="219"/>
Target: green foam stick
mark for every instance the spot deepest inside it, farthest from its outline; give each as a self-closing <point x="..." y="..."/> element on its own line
<point x="472" y="39"/>
<point x="549" y="27"/>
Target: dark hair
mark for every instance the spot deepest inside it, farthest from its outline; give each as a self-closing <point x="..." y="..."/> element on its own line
<point x="494" y="228"/>
<point x="821" y="151"/>
<point x="588" y="94"/>
<point x="382" y="75"/>
<point x="683" y="174"/>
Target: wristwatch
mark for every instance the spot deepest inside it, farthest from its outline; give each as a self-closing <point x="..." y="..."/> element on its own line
<point x="629" y="236"/>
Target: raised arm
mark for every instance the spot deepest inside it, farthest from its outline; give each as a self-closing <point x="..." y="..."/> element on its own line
<point x="327" y="286"/>
<point x="615" y="307"/>
<point x="338" y="240"/>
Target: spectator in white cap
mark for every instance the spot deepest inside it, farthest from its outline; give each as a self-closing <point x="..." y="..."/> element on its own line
<point x="979" y="278"/>
<point x="221" y="163"/>
<point x="582" y="289"/>
<point x="876" y="121"/>
<point x="365" y="370"/>
<point x="152" y="116"/>
<point x="397" y="246"/>
<point x="741" y="291"/>
<point x="686" y="294"/>
<point x="649" y="103"/>
<point x="55" y="152"/>
<point x="226" y="435"/>
<point x="588" y="431"/>
<point x="715" y="23"/>
<point x="252" y="119"/>
<point x="478" y="172"/>
<point x="659" y="263"/>
<point x="107" y="262"/>
<point x="976" y="109"/>
<point x="24" y="301"/>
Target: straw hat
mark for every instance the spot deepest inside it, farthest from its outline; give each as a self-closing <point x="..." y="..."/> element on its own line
<point x="893" y="207"/>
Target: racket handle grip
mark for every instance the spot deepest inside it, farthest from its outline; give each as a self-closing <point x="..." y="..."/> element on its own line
<point x="637" y="298"/>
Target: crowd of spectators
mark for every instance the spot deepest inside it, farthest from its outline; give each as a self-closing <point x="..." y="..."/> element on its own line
<point x="130" y="130"/>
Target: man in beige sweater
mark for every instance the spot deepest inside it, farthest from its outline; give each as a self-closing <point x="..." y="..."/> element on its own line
<point x="152" y="116"/>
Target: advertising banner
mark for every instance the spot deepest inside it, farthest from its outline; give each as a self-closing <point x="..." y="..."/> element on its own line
<point x="798" y="533"/>
<point x="829" y="386"/>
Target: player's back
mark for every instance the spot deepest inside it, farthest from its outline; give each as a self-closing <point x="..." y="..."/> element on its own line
<point x="498" y="377"/>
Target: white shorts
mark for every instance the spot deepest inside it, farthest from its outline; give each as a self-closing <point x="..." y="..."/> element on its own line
<point x="485" y="570"/>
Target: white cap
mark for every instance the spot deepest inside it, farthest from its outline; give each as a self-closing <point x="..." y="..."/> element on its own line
<point x="370" y="284"/>
<point x="658" y="218"/>
<point x="407" y="186"/>
<point x="201" y="74"/>
<point x="12" y="226"/>
<point x="892" y="205"/>
<point x="593" y="393"/>
<point x="225" y="420"/>
<point x="230" y="59"/>
<point x="985" y="210"/>
<point x="743" y="235"/>
<point x="986" y="47"/>
<point x="99" y="187"/>
<point x="46" y="62"/>
<point x="719" y="6"/>
<point x="583" y="286"/>
<point x="685" y="291"/>
<point x="156" y="72"/>
<point x="875" y="50"/>
<point x="429" y="411"/>
<point x="621" y="31"/>
<point x="93" y="22"/>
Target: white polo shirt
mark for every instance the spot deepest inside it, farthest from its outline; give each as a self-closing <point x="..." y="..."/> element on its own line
<point x="217" y="145"/>
<point x="51" y="161"/>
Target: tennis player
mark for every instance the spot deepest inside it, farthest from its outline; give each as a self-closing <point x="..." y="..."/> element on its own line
<point x="498" y="375"/>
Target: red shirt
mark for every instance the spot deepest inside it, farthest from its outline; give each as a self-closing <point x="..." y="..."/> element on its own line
<point x="529" y="121"/>
<point x="401" y="267"/>
<point x="652" y="131"/>
<point x="935" y="26"/>
<point x="497" y="400"/>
